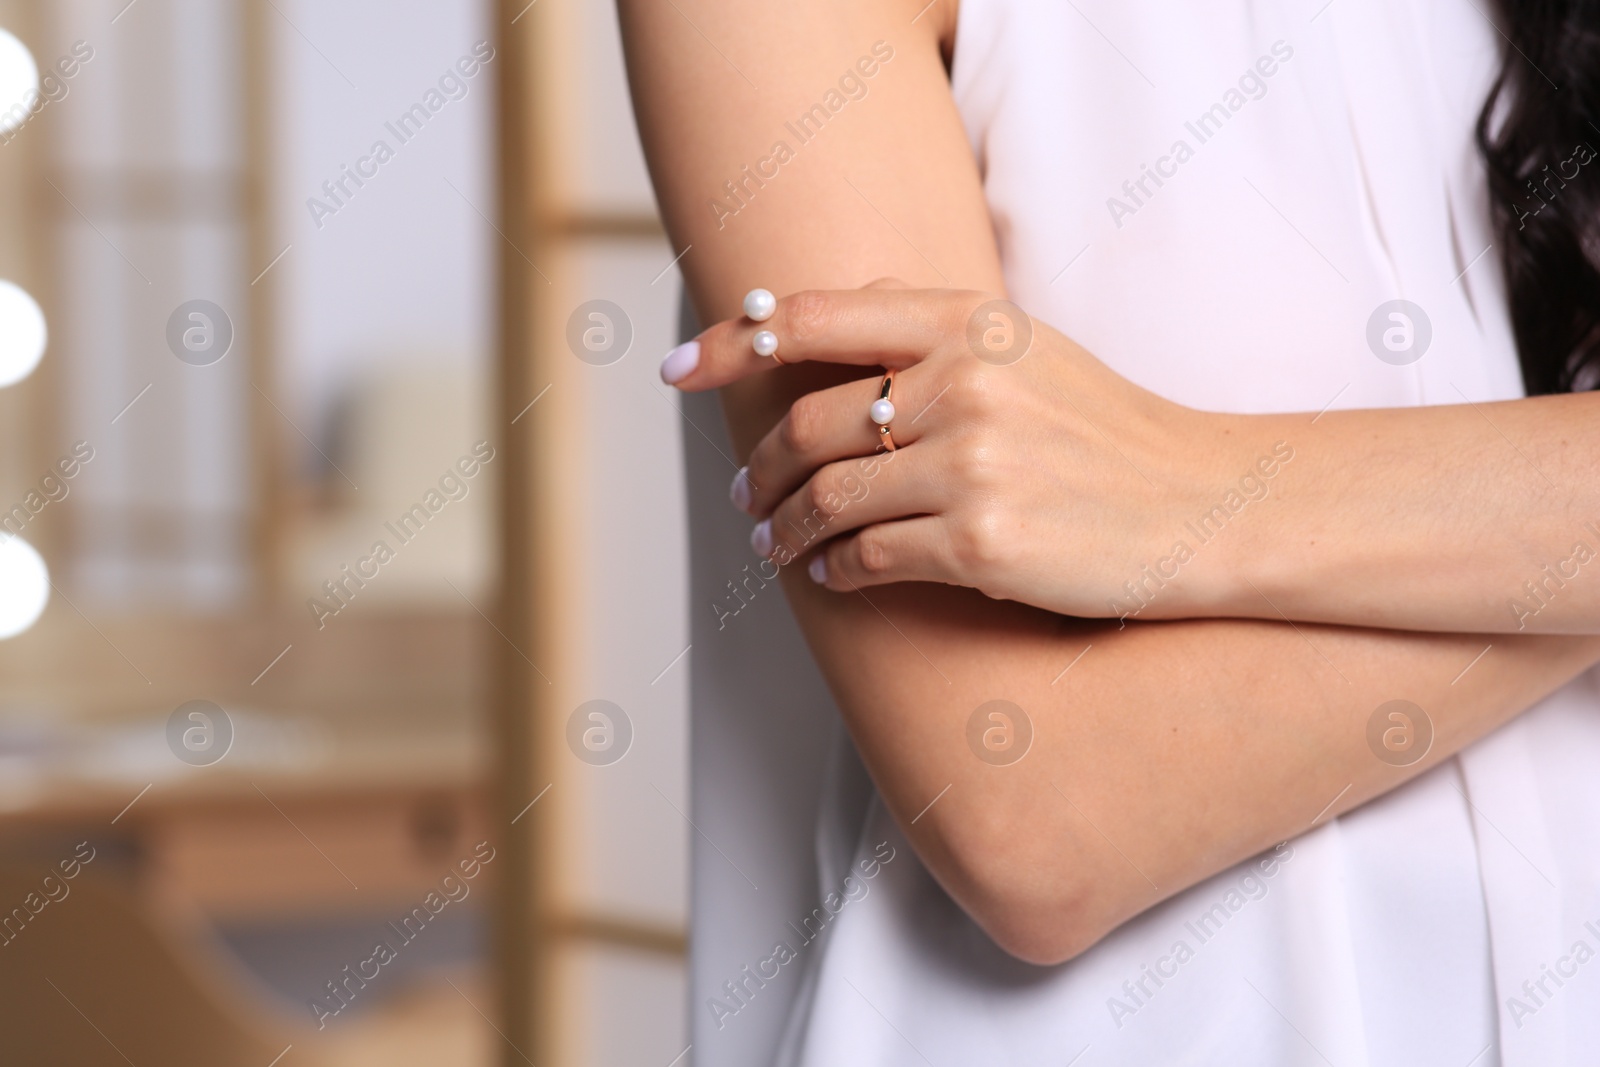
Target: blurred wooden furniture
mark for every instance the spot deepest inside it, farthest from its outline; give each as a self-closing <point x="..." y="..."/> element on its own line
<point x="382" y="715"/>
<point x="357" y="774"/>
<point x="360" y="750"/>
<point x="355" y="782"/>
<point x="93" y="980"/>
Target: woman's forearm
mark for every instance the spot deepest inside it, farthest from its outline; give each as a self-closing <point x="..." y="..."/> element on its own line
<point x="1166" y="753"/>
<point x="1472" y="517"/>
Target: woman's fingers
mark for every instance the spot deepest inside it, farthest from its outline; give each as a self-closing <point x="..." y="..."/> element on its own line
<point x="829" y="425"/>
<point x="846" y="496"/>
<point x="910" y="550"/>
<point x="880" y="326"/>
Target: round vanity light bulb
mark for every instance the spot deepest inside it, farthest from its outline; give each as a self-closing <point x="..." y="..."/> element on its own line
<point x="24" y="585"/>
<point x="19" y="83"/>
<point x="23" y="334"/>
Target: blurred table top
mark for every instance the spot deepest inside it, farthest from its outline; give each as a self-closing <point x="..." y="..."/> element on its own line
<point x="390" y="702"/>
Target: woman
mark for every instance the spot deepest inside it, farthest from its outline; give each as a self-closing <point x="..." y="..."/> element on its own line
<point x="1235" y="763"/>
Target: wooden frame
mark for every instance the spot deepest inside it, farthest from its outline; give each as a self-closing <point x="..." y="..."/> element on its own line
<point x="267" y="533"/>
<point x="538" y="225"/>
<point x="521" y="942"/>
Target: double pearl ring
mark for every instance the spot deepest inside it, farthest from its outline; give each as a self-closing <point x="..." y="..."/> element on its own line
<point x="759" y="306"/>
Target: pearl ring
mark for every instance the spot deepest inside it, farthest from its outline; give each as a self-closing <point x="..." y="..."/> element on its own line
<point x="759" y="306"/>
<point x="882" y="411"/>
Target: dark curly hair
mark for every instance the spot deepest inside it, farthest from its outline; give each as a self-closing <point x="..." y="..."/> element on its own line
<point x="1539" y="132"/>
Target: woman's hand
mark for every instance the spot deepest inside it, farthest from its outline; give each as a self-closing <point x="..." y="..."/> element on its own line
<point x="1023" y="467"/>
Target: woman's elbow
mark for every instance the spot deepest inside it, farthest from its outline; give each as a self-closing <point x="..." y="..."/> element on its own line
<point x="1042" y="907"/>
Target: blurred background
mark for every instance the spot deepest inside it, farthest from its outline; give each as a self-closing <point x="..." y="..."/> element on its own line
<point x="342" y="584"/>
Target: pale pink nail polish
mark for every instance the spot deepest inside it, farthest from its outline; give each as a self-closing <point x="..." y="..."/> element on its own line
<point x="761" y="538"/>
<point x="680" y="362"/>
<point x="818" y="569"/>
<point x="740" y="492"/>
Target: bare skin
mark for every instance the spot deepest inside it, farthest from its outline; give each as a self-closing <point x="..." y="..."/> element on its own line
<point x="1170" y="750"/>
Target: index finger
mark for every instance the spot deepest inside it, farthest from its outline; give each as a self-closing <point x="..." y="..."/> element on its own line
<point x="892" y="328"/>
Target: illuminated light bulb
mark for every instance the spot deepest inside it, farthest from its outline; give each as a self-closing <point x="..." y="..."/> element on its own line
<point x="24" y="585"/>
<point x="19" y="83"/>
<point x="23" y="334"/>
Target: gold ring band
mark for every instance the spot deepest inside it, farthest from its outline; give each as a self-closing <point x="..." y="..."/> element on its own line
<point x="883" y="394"/>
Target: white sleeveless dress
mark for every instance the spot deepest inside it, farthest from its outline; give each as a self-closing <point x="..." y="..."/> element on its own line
<point x="1213" y="198"/>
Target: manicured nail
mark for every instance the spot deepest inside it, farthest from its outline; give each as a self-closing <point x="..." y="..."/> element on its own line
<point x="740" y="491"/>
<point x="761" y="538"/>
<point x="680" y="362"/>
<point x="818" y="569"/>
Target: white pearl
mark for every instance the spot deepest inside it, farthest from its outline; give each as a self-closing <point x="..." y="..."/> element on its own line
<point x="759" y="305"/>
<point x="882" y="412"/>
<point x="765" y="343"/>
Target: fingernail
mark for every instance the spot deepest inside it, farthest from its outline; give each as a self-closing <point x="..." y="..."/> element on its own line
<point x="818" y="569"/>
<point x="680" y="362"/>
<point x="740" y="491"/>
<point x="761" y="538"/>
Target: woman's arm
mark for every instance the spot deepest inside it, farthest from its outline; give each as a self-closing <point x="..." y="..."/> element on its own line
<point x="1472" y="516"/>
<point x="1044" y="477"/>
<point x="1168" y="749"/>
